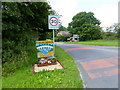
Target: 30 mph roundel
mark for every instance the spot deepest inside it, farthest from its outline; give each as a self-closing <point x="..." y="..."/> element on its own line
<point x="53" y="21"/>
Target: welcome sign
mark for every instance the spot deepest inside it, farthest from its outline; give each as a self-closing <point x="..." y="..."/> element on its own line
<point x="45" y="48"/>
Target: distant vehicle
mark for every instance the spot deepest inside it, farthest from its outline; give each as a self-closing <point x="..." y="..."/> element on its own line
<point x="75" y="38"/>
<point x="68" y="39"/>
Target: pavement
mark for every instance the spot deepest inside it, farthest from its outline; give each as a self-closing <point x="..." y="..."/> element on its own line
<point x="98" y="65"/>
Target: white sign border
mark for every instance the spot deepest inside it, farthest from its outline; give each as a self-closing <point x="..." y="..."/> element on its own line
<point x="53" y="26"/>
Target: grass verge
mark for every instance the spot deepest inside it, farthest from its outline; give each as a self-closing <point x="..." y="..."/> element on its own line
<point x="66" y="78"/>
<point x="97" y="42"/>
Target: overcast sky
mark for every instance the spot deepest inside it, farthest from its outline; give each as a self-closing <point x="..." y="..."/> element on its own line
<point x="105" y="10"/>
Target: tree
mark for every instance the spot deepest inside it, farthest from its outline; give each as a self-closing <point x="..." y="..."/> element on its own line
<point x="21" y="17"/>
<point x="114" y="28"/>
<point x="22" y="22"/>
<point x="112" y="32"/>
<point x="62" y="28"/>
<point x="86" y="25"/>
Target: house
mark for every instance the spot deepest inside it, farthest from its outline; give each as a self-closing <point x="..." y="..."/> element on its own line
<point x="63" y="33"/>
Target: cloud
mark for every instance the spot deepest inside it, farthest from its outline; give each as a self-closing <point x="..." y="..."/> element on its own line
<point x="105" y="10"/>
<point x="107" y="14"/>
<point x="66" y="8"/>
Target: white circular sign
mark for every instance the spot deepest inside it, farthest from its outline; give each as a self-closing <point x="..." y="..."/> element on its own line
<point x="53" y="21"/>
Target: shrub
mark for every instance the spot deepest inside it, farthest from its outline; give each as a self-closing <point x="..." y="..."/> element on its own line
<point x="61" y="38"/>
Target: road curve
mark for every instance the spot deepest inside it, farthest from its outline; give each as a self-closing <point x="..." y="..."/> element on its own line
<point x="98" y="64"/>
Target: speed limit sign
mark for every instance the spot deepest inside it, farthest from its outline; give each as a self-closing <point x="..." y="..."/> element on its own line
<point x="53" y="22"/>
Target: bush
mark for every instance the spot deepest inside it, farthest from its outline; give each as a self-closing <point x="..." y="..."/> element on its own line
<point x="109" y="35"/>
<point x="16" y="54"/>
<point x="61" y="38"/>
<point x="19" y="34"/>
<point x="14" y="61"/>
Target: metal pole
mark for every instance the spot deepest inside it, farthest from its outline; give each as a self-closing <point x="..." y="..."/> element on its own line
<point x="53" y="42"/>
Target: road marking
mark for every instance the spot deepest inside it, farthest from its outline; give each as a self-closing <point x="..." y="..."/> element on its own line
<point x="69" y="49"/>
<point x="76" y="48"/>
<point x="98" y="64"/>
<point x="101" y="64"/>
<point x="104" y="73"/>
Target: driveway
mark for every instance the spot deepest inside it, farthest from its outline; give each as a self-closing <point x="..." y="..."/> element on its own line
<point x="98" y="64"/>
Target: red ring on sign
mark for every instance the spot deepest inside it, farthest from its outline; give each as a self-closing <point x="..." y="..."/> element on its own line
<point x="56" y="21"/>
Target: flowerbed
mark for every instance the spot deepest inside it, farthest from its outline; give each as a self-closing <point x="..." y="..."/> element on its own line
<point x="46" y="64"/>
<point x="46" y="61"/>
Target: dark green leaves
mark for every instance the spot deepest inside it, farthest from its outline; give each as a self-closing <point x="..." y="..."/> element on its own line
<point x="22" y="23"/>
<point x="86" y="25"/>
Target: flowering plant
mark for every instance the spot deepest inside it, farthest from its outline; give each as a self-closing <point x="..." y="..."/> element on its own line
<point x="46" y="61"/>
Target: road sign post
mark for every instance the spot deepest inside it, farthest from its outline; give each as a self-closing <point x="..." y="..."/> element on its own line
<point x="53" y="23"/>
<point x="53" y="42"/>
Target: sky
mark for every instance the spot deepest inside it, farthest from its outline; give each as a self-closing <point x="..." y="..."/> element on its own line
<point x="104" y="10"/>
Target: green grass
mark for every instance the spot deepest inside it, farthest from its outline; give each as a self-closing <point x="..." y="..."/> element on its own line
<point x="65" y="78"/>
<point x="97" y="42"/>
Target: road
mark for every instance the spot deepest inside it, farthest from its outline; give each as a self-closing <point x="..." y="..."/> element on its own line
<point x="98" y="64"/>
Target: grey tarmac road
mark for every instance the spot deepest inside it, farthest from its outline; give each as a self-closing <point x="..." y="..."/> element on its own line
<point x="98" y="64"/>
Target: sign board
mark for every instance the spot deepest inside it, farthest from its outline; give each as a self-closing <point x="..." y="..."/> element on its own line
<point x="76" y="36"/>
<point x="53" y="22"/>
<point x="45" y="48"/>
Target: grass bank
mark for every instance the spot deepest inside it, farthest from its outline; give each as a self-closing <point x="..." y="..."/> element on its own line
<point x="97" y="42"/>
<point x="66" y="78"/>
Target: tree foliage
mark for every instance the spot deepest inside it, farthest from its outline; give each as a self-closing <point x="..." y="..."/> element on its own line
<point x="22" y="22"/>
<point x="21" y="17"/>
<point x="62" y="28"/>
<point x="86" y="25"/>
<point x="112" y="32"/>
